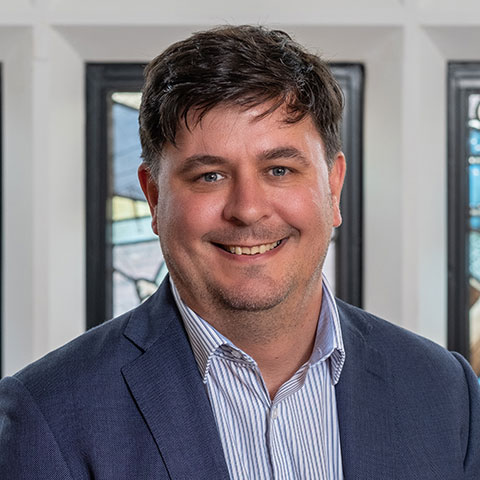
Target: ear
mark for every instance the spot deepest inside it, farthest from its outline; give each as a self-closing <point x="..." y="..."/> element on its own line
<point x="335" y="179"/>
<point x="150" y="190"/>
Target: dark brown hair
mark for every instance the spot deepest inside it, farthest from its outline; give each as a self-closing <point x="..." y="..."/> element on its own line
<point x="243" y="66"/>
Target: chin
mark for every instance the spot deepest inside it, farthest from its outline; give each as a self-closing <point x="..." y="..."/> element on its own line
<point x="249" y="299"/>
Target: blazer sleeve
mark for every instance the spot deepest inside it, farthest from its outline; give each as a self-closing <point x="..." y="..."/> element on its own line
<point x="28" y="449"/>
<point x="472" y="438"/>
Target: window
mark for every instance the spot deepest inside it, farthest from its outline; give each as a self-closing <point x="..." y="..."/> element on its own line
<point x="124" y="261"/>
<point x="348" y="238"/>
<point x="464" y="210"/>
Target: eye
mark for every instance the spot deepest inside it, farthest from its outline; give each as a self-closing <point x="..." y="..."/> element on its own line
<point x="211" y="177"/>
<point x="279" y="171"/>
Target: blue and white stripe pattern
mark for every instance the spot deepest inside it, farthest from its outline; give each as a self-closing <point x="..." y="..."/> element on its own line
<point x="296" y="435"/>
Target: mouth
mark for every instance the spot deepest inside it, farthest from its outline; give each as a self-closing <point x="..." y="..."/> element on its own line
<point x="254" y="250"/>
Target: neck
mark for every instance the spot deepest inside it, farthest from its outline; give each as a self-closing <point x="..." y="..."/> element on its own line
<point x="279" y="359"/>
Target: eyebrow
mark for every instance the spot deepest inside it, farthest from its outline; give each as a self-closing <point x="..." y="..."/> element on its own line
<point x="283" y="152"/>
<point x="201" y="160"/>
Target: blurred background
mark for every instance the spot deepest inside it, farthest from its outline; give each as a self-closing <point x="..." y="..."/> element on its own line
<point x="76" y="243"/>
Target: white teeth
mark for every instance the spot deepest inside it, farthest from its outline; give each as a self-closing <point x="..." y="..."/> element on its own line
<point x="253" y="250"/>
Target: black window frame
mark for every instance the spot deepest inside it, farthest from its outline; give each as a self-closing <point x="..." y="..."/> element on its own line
<point x="103" y="79"/>
<point x="463" y="79"/>
<point x="349" y="257"/>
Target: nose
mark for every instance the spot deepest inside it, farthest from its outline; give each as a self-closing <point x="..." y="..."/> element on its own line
<point x="247" y="202"/>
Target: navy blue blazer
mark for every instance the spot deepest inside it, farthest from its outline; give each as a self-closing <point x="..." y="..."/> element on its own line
<point x="126" y="401"/>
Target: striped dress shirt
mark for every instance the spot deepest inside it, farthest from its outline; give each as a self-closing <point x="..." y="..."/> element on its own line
<point x="296" y="435"/>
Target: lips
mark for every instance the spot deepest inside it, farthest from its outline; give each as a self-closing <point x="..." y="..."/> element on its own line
<point x="253" y="250"/>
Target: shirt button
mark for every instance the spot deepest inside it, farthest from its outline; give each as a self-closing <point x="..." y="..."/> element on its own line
<point x="274" y="413"/>
<point x="236" y="354"/>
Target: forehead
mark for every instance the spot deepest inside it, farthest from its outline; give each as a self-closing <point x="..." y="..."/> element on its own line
<point x="232" y="125"/>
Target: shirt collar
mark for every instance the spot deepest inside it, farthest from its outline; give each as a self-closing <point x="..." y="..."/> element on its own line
<point x="206" y="340"/>
<point x="329" y="340"/>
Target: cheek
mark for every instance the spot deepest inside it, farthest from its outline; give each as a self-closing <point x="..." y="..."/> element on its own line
<point x="306" y="208"/>
<point x="188" y="218"/>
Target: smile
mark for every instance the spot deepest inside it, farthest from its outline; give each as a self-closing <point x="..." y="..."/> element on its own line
<point x="255" y="250"/>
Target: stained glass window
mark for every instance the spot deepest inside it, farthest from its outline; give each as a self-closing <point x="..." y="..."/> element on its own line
<point x="474" y="227"/>
<point x="464" y="211"/>
<point x="138" y="266"/>
<point x="124" y="260"/>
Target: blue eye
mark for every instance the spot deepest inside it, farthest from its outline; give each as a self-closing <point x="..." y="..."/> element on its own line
<point x="211" y="177"/>
<point x="279" y="171"/>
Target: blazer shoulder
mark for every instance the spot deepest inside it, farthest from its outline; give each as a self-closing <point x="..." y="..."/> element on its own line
<point x="98" y="355"/>
<point x="426" y="380"/>
<point x="86" y="356"/>
<point x="414" y="361"/>
<point x="386" y="336"/>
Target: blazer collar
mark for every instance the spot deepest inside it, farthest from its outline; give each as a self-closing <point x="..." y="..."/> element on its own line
<point x="364" y="402"/>
<point x="166" y="385"/>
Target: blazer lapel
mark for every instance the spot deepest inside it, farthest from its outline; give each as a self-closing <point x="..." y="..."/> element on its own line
<point x="364" y="405"/>
<point x="168" y="390"/>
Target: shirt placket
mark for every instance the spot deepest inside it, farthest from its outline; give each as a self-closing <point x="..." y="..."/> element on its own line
<point x="245" y="466"/>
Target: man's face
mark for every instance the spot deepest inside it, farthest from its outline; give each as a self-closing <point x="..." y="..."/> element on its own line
<point x="244" y="208"/>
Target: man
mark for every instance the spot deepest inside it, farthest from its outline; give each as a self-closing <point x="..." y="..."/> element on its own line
<point x="242" y="365"/>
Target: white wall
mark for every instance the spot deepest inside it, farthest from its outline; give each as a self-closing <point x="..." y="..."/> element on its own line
<point x="43" y="47"/>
